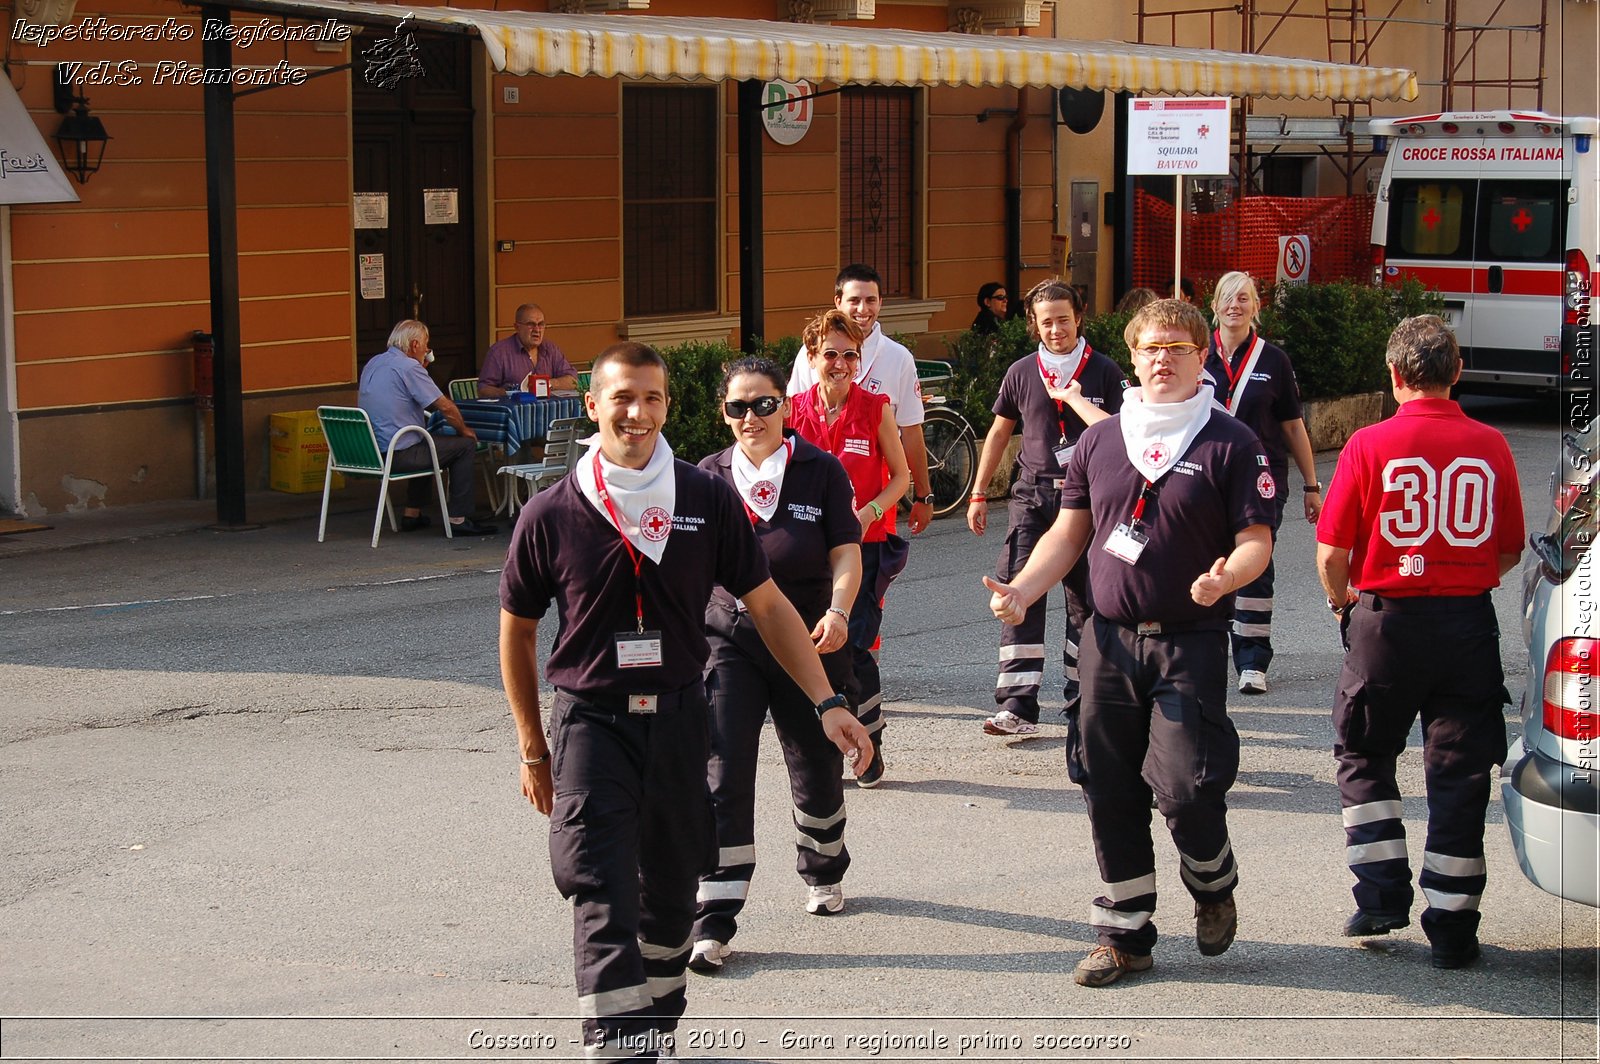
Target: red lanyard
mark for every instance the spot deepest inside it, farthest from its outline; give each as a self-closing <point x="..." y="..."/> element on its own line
<point x="1138" y="507"/>
<point x="1061" y="407"/>
<point x="832" y="432"/>
<point x="633" y="554"/>
<point x="1227" y="359"/>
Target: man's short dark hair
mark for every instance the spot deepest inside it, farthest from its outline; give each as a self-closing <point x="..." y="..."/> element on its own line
<point x="628" y="353"/>
<point x="1424" y="353"/>
<point x="856" y="271"/>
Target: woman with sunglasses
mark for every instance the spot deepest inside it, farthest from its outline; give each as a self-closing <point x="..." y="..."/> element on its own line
<point x="992" y="304"/>
<point x="858" y="428"/>
<point x="799" y="500"/>
<point x="1255" y="381"/>
<point x="1052" y="394"/>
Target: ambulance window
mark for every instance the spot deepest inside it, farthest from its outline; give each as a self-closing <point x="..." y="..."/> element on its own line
<point x="1431" y="219"/>
<point x="1521" y="221"/>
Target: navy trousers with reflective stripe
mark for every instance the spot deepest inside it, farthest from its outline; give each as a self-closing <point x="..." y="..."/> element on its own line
<point x="1438" y="658"/>
<point x="1252" y="606"/>
<point x="880" y="563"/>
<point x="1033" y="509"/>
<point x="1155" y="721"/>
<point x="743" y="682"/>
<point x="630" y="834"/>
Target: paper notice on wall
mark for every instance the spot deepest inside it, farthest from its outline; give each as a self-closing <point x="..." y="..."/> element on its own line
<point x="371" y="210"/>
<point x="439" y="206"/>
<point x="371" y="271"/>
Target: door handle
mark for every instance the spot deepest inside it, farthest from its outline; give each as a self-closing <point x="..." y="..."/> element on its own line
<point x="1497" y="279"/>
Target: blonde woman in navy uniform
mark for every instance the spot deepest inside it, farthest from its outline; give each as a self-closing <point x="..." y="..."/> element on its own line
<point x="1052" y="395"/>
<point x="628" y="548"/>
<point x="1255" y="381"/>
<point x="800" y="502"/>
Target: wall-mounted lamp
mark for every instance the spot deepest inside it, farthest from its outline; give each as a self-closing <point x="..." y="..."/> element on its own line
<point x="81" y="140"/>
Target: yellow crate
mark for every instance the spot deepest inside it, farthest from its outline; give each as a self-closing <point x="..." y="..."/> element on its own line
<point x="298" y="459"/>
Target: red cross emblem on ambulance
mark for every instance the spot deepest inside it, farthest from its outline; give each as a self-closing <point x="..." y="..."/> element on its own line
<point x="655" y="524"/>
<point x="1156" y="455"/>
<point x="763" y="493"/>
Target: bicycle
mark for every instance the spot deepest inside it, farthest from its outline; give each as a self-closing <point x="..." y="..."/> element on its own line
<point x="951" y="441"/>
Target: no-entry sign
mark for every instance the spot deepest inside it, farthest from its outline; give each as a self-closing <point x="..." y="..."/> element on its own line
<point x="1179" y="136"/>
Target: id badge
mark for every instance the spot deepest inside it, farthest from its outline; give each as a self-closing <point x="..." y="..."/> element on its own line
<point x="1126" y="543"/>
<point x="1063" y="453"/>
<point x="641" y="704"/>
<point x="636" y="650"/>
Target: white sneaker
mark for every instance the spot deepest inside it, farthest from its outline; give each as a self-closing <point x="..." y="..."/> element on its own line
<point x="826" y="900"/>
<point x="708" y="955"/>
<point x="1252" y="682"/>
<point x="1006" y="722"/>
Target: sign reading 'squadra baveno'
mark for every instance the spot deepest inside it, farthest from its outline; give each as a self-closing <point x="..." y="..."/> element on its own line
<point x="1179" y="135"/>
<point x="787" y="110"/>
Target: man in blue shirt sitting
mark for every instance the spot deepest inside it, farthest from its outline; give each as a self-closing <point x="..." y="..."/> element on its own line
<point x="396" y="391"/>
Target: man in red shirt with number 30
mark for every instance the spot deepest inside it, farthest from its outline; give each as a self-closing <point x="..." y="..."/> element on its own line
<point x="1423" y="517"/>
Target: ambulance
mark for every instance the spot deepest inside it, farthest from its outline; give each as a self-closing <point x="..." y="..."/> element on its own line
<point x="1497" y="210"/>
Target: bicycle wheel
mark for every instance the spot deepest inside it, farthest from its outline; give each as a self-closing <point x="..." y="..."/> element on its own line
<point x="952" y="458"/>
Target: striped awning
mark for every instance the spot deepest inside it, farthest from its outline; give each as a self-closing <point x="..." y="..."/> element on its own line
<point x="717" y="49"/>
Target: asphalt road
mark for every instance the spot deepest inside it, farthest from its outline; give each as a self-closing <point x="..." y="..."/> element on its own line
<point x="259" y="799"/>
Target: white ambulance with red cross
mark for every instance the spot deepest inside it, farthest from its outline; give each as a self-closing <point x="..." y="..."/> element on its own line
<point x="1499" y="211"/>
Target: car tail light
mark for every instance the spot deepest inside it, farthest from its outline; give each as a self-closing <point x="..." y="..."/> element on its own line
<point x="1577" y="285"/>
<point x="1566" y="495"/>
<point x="1569" y="689"/>
<point x="1507" y="128"/>
<point x="1377" y="264"/>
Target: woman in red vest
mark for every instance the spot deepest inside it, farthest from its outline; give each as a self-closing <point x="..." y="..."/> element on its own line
<point x="857" y="427"/>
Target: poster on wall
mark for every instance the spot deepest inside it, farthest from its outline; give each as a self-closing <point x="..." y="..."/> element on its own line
<point x="371" y="210"/>
<point x="371" y="276"/>
<point x="439" y="206"/>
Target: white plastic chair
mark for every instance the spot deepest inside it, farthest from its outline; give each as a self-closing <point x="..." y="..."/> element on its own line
<point x="561" y="454"/>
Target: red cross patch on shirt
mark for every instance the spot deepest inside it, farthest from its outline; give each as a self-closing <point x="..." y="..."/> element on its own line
<point x="655" y="524"/>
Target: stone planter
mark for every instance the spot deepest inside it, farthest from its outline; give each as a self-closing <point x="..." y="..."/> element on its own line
<point x="1330" y="422"/>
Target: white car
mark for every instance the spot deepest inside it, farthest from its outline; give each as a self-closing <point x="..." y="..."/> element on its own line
<point x="1550" y="783"/>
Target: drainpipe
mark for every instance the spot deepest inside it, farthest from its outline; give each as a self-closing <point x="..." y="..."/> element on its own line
<point x="1014" y="199"/>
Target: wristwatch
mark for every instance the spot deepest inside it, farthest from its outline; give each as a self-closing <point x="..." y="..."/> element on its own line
<point x="928" y="498"/>
<point x="836" y="702"/>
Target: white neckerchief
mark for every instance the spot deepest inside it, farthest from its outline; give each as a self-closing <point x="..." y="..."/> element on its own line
<point x="1156" y="435"/>
<point x="1248" y="368"/>
<point x="1062" y="367"/>
<point x="643" y="498"/>
<point x="760" y="486"/>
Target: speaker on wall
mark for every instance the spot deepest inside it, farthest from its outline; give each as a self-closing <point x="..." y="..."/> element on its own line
<point x="1081" y="108"/>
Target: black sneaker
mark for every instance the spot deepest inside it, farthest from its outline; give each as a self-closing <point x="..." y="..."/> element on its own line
<point x="1215" y="924"/>
<point x="1364" y="924"/>
<point x="1458" y="957"/>
<point x="414" y="524"/>
<point x="469" y="527"/>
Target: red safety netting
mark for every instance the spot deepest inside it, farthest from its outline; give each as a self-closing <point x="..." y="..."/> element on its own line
<point x="1244" y="236"/>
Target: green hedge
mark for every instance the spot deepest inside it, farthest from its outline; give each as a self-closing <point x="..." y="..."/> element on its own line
<point x="1336" y="333"/>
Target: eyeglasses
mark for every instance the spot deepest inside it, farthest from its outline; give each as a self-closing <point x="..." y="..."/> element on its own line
<point x="530" y="324"/>
<point x="1153" y="351"/>
<point x="834" y="356"/>
<point x="765" y="406"/>
<point x="1000" y="296"/>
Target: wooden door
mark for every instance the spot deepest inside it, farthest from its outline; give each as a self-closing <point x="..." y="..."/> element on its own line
<point x="413" y="144"/>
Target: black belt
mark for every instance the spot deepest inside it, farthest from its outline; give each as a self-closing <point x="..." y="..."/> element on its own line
<point x="1171" y="627"/>
<point x="611" y="703"/>
<point x="1054" y="483"/>
<point x="1425" y="603"/>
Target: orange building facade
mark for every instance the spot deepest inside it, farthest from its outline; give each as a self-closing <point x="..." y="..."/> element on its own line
<point x="555" y="185"/>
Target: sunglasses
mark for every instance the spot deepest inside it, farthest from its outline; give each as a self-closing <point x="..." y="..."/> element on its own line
<point x="765" y="406"/>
